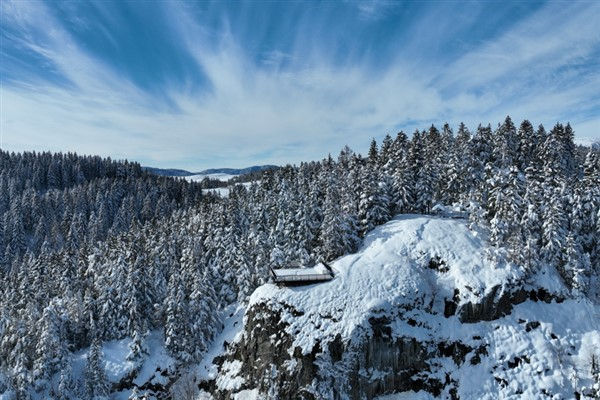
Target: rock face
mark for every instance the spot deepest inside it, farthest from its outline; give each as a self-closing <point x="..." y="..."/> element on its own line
<point x="374" y="362"/>
<point x="495" y="305"/>
<point x="266" y="361"/>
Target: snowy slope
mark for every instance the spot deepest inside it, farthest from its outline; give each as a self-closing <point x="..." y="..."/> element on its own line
<point x="224" y="191"/>
<point x="539" y="350"/>
<point x="391" y="270"/>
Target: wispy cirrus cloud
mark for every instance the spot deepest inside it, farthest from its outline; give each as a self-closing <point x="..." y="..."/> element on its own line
<point x="234" y="86"/>
<point x="545" y="66"/>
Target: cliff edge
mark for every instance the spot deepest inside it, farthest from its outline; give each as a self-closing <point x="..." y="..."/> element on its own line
<point x="425" y="309"/>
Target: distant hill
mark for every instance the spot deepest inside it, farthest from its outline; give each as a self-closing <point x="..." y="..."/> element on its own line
<point x="594" y="143"/>
<point x="232" y="171"/>
<point x="212" y="171"/>
<point x="168" y="172"/>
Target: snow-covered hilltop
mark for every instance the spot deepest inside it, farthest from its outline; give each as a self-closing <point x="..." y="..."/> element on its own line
<point x="425" y="306"/>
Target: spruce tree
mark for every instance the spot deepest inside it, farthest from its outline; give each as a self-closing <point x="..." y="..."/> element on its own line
<point x="96" y="385"/>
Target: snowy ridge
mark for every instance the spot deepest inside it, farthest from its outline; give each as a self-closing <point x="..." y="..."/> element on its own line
<point x="391" y="270"/>
<point x="539" y="350"/>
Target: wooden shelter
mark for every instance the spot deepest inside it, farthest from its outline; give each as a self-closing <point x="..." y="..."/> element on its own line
<point x="321" y="272"/>
<point x="455" y="212"/>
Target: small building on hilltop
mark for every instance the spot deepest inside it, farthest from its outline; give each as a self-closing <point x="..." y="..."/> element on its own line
<point x="321" y="272"/>
<point x="456" y="211"/>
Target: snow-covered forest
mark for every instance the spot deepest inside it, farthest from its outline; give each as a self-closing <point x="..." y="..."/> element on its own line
<point x="93" y="250"/>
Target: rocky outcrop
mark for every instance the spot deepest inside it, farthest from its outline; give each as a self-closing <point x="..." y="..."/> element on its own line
<point x="498" y="303"/>
<point x="494" y="305"/>
<point x="266" y="361"/>
<point x="372" y="363"/>
<point x="420" y="308"/>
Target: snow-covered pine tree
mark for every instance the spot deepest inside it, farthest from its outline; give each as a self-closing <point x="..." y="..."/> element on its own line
<point x="587" y="204"/>
<point x="138" y="348"/>
<point x="51" y="349"/>
<point x="67" y="384"/>
<point x="435" y="152"/>
<point x="574" y="266"/>
<point x="528" y="143"/>
<point x="455" y="174"/>
<point x="177" y="329"/>
<point x="506" y="206"/>
<point x="423" y="175"/>
<point x="96" y="385"/>
<point x="553" y="229"/>
<point x="204" y="314"/>
<point x="336" y="237"/>
<point x="139" y="298"/>
<point x="482" y="156"/>
<point x="531" y="223"/>
<point x="374" y="203"/>
<point x="506" y="144"/>
<point x="403" y="184"/>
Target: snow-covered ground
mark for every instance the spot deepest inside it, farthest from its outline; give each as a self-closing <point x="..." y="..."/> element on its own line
<point x="391" y="270"/>
<point x="221" y="192"/>
<point x="117" y="366"/>
<point x="538" y="348"/>
<point x="224" y="192"/>
<point x="233" y="325"/>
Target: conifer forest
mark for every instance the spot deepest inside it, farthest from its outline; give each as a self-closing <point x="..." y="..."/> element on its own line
<point x="94" y="250"/>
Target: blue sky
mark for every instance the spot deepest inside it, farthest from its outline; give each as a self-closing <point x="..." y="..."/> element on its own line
<point x="195" y="85"/>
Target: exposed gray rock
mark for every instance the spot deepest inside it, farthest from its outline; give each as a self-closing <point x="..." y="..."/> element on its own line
<point x="498" y="303"/>
<point x="375" y="360"/>
<point x="372" y="363"/>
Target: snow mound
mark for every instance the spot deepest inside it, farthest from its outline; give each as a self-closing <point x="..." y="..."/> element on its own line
<point x="396" y="291"/>
<point x="405" y="263"/>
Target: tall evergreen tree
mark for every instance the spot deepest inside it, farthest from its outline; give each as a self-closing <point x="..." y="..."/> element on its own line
<point x="403" y="185"/>
<point x="506" y="142"/>
<point x="96" y="383"/>
<point x="177" y="329"/>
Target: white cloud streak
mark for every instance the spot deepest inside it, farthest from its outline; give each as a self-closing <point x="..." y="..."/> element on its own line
<point x="261" y="112"/>
<point x="533" y="68"/>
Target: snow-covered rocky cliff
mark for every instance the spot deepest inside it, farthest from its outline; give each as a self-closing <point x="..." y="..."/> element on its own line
<point x="426" y="309"/>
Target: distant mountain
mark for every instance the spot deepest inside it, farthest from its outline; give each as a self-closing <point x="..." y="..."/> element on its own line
<point x="168" y="172"/>
<point x="594" y="143"/>
<point x="212" y="171"/>
<point x="233" y="171"/>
